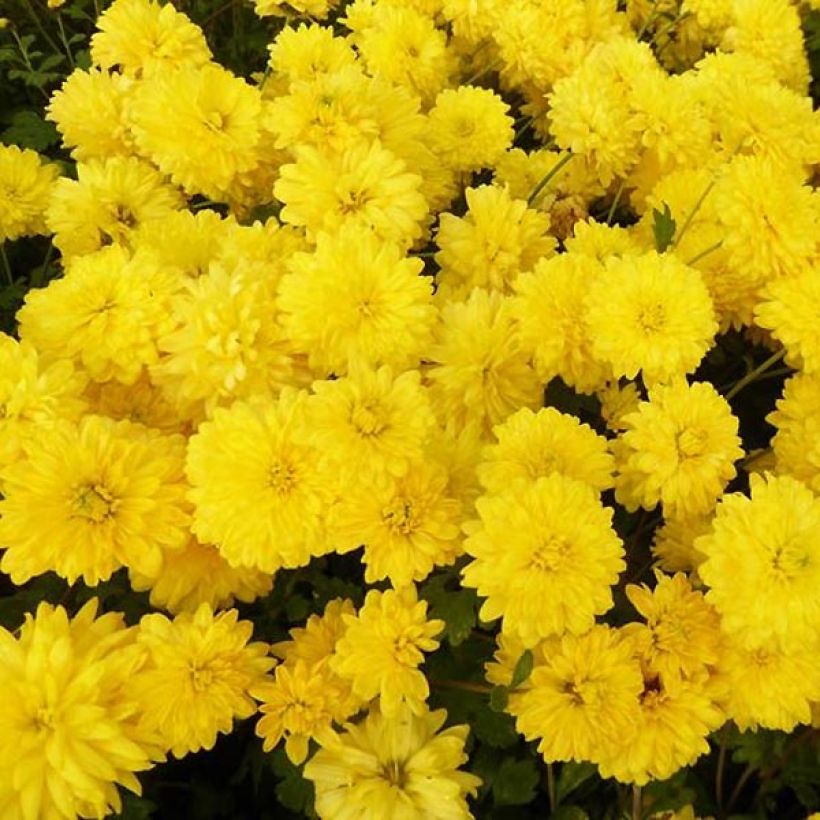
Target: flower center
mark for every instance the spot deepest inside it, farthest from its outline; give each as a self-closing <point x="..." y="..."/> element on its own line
<point x="405" y="651"/>
<point x="281" y="478"/>
<point x="353" y="201"/>
<point x="201" y="676"/>
<point x="551" y="555"/>
<point x="215" y="121"/>
<point x="368" y="419"/>
<point x="691" y="443"/>
<point x="652" y="318"/>
<point x="789" y="560"/>
<point x="94" y="503"/>
<point x="393" y="772"/>
<point x="44" y="719"/>
<point x="399" y="518"/>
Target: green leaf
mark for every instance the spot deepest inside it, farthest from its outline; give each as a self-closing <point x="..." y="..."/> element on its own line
<point x="572" y="775"/>
<point x="523" y="668"/>
<point x="496" y="729"/>
<point x="664" y="227"/>
<point x="569" y="813"/>
<point x="136" y="808"/>
<point x="294" y="792"/>
<point x="456" y="607"/>
<point x="515" y="783"/>
<point x="499" y="697"/>
<point x="29" y="130"/>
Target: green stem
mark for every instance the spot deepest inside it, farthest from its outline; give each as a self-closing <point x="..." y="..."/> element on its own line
<point x="39" y="275"/>
<point x="463" y="685"/>
<point x="6" y="265"/>
<point x="688" y="221"/>
<point x="479" y="74"/>
<point x="548" y="178"/>
<point x="698" y="256"/>
<point x="650" y="18"/>
<point x="753" y="374"/>
<point x="26" y="61"/>
<point x="36" y="20"/>
<point x="615" y="202"/>
<point x="721" y="767"/>
<point x="742" y="781"/>
<point x="65" y="39"/>
<point x="551" y="787"/>
<point x="637" y="803"/>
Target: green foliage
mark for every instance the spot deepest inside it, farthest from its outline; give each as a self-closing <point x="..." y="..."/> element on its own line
<point x="663" y="227"/>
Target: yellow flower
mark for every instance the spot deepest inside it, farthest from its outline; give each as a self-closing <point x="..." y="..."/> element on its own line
<point x="198" y="676"/>
<point x="356" y="301"/>
<point x="200" y="126"/>
<point x="582" y="699"/>
<point x="478" y="372"/>
<point x="679" y="449"/>
<point x="105" y="313"/>
<point x="797" y="419"/>
<point x="650" y="313"/>
<point x="148" y="39"/>
<point x="318" y="9"/>
<point x="383" y="647"/>
<point x="366" y="186"/>
<point x="25" y="188"/>
<point x="371" y="423"/>
<point x="470" y="128"/>
<point x="617" y="402"/>
<point x="674" y="543"/>
<point x="393" y="765"/>
<point x="407" y="526"/>
<point x="258" y="489"/>
<point x="545" y="556"/>
<point x="90" y="497"/>
<point x="309" y="51"/>
<point x="531" y="445"/>
<point x="107" y="201"/>
<point x="773" y="593"/>
<point x="68" y="715"/>
<point x="498" y="238"/>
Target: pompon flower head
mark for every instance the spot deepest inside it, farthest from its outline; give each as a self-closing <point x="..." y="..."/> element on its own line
<point x="470" y="128"/>
<point x="796" y="443"/>
<point x="650" y="314"/>
<point x="534" y="444"/>
<point x="68" y="715"/>
<point x="315" y="9"/>
<point x="673" y="545"/>
<point x="356" y="301"/>
<point x="198" y="676"/>
<point x="407" y="526"/>
<point x="617" y="402"/>
<point x="301" y="54"/>
<point x="365" y="185"/>
<point x="397" y="765"/>
<point x="773" y="594"/>
<point x="371" y="422"/>
<point x="582" y="699"/>
<point x="553" y="296"/>
<point x="32" y="394"/>
<point x="147" y="39"/>
<point x="679" y="449"/>
<point x="107" y="201"/>
<point x="477" y="371"/>
<point x="498" y="238"/>
<point x="100" y="136"/>
<point x="200" y="126"/>
<point x="198" y="574"/>
<point x="383" y="647"/>
<point x="25" y="188"/>
<point x="90" y="497"/>
<point x="258" y="487"/>
<point x="544" y="557"/>
<point x="105" y="313"/>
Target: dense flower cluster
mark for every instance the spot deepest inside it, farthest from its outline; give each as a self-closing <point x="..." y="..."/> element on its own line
<point x="211" y="396"/>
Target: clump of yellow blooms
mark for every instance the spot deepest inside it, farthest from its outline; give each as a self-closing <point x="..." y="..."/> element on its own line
<point x="211" y="398"/>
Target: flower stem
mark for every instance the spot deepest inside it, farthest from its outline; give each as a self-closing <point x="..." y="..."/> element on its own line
<point x="65" y="40"/>
<point x="697" y="257"/>
<point x="721" y="766"/>
<point x="551" y="787"/>
<point x="463" y="685"/>
<point x="637" y="803"/>
<point x="548" y="178"/>
<point x="6" y="264"/>
<point x="615" y="202"/>
<point x="752" y="375"/>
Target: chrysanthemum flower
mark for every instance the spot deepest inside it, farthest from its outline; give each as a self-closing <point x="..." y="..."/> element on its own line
<point x="366" y="185"/>
<point x="470" y="128"/>
<point x="68" y="715"/>
<point x="258" y="489"/>
<point x="681" y="636"/>
<point x="797" y="441"/>
<point x="531" y="445"/>
<point x="679" y="449"/>
<point x="393" y="765"/>
<point x="582" y="700"/>
<point x="198" y="676"/>
<point x="145" y="38"/>
<point x="106" y="313"/>
<point x="552" y="296"/>
<point x="773" y="593"/>
<point x="106" y="202"/>
<point x="673" y="544"/>
<point x="32" y="394"/>
<point x="407" y="526"/>
<point x="90" y="497"/>
<point x="314" y="9"/>
<point x="301" y="54"/>
<point x="670" y="732"/>
<point x="200" y="126"/>
<point x="356" y="301"/>
<point x="371" y="422"/>
<point x="198" y="574"/>
<point x="478" y="371"/>
<point x="498" y="238"/>
<point x="383" y="647"/>
<point x="617" y="402"/>
<point x="545" y="556"/>
<point x="103" y="135"/>
<point x="650" y="313"/>
<point x="25" y="188"/>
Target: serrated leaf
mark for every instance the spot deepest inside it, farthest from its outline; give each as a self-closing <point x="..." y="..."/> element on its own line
<point x="51" y="61"/>
<point x="499" y="697"/>
<point x="29" y="130"/>
<point x="664" y="227"/>
<point x="456" y="607"/>
<point x="136" y="808"/>
<point x="496" y="729"/>
<point x="523" y="669"/>
<point x="572" y="775"/>
<point x="515" y="783"/>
